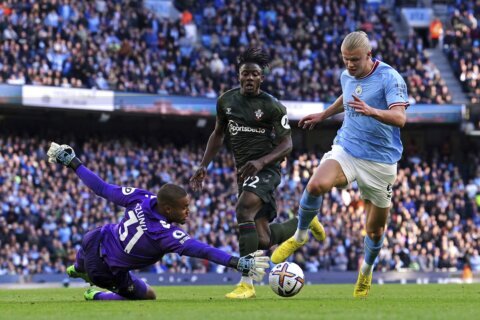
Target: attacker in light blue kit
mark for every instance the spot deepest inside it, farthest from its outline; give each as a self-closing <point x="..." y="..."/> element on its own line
<point x="141" y="238"/>
<point x="366" y="149"/>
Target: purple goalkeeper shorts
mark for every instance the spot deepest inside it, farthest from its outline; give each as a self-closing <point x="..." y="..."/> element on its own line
<point x="119" y="281"/>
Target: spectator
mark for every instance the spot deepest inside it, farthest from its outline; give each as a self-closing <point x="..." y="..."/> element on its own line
<point x="436" y="31"/>
<point x="187" y="17"/>
<point x="475" y="261"/>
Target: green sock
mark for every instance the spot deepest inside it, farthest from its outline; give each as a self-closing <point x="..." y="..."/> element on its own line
<point x="248" y="239"/>
<point x="279" y="232"/>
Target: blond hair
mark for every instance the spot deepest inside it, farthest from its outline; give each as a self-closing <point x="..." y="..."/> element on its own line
<point x="356" y="40"/>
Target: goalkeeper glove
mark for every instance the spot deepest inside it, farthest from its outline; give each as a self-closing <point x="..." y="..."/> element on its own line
<point x="254" y="263"/>
<point x="63" y="154"/>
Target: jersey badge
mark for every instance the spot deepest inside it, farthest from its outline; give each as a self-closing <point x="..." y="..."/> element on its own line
<point x="229" y="111"/>
<point x="285" y="123"/>
<point x="165" y="224"/>
<point x="258" y="114"/>
<point x="127" y="190"/>
<point x="358" y="90"/>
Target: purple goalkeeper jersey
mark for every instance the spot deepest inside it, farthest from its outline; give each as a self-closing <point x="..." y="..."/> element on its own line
<point x="144" y="235"/>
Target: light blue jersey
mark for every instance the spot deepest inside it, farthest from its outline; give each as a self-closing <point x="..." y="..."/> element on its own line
<point x="365" y="137"/>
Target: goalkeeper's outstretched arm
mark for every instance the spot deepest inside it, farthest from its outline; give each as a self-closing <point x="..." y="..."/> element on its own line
<point x="94" y="182"/>
<point x="254" y="263"/>
<point x="65" y="155"/>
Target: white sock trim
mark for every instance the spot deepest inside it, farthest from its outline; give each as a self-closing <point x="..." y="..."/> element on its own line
<point x="300" y="235"/>
<point x="366" y="269"/>
<point x="247" y="280"/>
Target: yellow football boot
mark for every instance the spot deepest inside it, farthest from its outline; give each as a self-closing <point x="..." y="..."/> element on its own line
<point x="317" y="229"/>
<point x="286" y="249"/>
<point x="242" y="291"/>
<point x="362" y="287"/>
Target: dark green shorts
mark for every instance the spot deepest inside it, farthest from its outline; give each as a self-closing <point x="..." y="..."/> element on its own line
<point x="263" y="185"/>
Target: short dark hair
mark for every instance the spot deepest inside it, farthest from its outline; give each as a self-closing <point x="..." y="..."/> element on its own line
<point x="170" y="193"/>
<point x="253" y="55"/>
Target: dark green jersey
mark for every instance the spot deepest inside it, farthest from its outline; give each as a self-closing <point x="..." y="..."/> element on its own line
<point x="252" y="123"/>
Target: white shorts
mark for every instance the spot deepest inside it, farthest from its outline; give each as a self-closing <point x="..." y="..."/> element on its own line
<point x="374" y="179"/>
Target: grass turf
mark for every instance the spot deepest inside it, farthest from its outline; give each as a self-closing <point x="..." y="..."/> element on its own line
<point x="433" y="301"/>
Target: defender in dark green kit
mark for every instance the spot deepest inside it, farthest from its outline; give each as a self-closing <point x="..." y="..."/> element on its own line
<point x="254" y="125"/>
<point x="260" y="137"/>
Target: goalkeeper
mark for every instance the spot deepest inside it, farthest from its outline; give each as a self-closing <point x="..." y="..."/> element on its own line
<point x="147" y="232"/>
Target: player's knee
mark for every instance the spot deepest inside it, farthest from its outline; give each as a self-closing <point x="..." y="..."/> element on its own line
<point x="318" y="187"/>
<point x="375" y="234"/>
<point x="244" y="212"/>
<point x="263" y="241"/>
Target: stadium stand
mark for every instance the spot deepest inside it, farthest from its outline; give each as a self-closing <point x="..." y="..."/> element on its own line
<point x="120" y="45"/>
<point x="45" y="210"/>
<point x="462" y="46"/>
<point x="304" y="43"/>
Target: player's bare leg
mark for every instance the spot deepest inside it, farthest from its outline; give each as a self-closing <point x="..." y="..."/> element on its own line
<point x="376" y="220"/>
<point x="327" y="175"/>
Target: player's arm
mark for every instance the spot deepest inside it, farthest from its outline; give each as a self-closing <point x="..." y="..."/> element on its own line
<point x="254" y="263"/>
<point x="65" y="155"/>
<point x="335" y="108"/>
<point x="283" y="148"/>
<point x="311" y="120"/>
<point x="395" y="116"/>
<point x="395" y="91"/>
<point x="215" y="142"/>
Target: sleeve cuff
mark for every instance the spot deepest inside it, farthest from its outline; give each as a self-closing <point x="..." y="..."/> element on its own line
<point x="397" y="104"/>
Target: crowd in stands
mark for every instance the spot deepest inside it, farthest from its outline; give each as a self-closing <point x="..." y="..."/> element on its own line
<point x="120" y="45"/>
<point x="45" y="209"/>
<point x="304" y="42"/>
<point x="462" y="46"/>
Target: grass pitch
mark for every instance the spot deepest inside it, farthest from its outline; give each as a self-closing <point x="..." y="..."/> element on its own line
<point x="433" y="301"/>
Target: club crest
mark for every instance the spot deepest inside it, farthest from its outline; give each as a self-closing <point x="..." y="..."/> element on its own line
<point x="358" y="90"/>
<point x="258" y="114"/>
<point x="229" y="111"/>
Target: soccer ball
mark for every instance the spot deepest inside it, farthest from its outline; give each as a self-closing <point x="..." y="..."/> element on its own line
<point x="286" y="279"/>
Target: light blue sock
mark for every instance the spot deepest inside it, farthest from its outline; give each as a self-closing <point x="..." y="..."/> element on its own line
<point x="309" y="205"/>
<point x="372" y="249"/>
